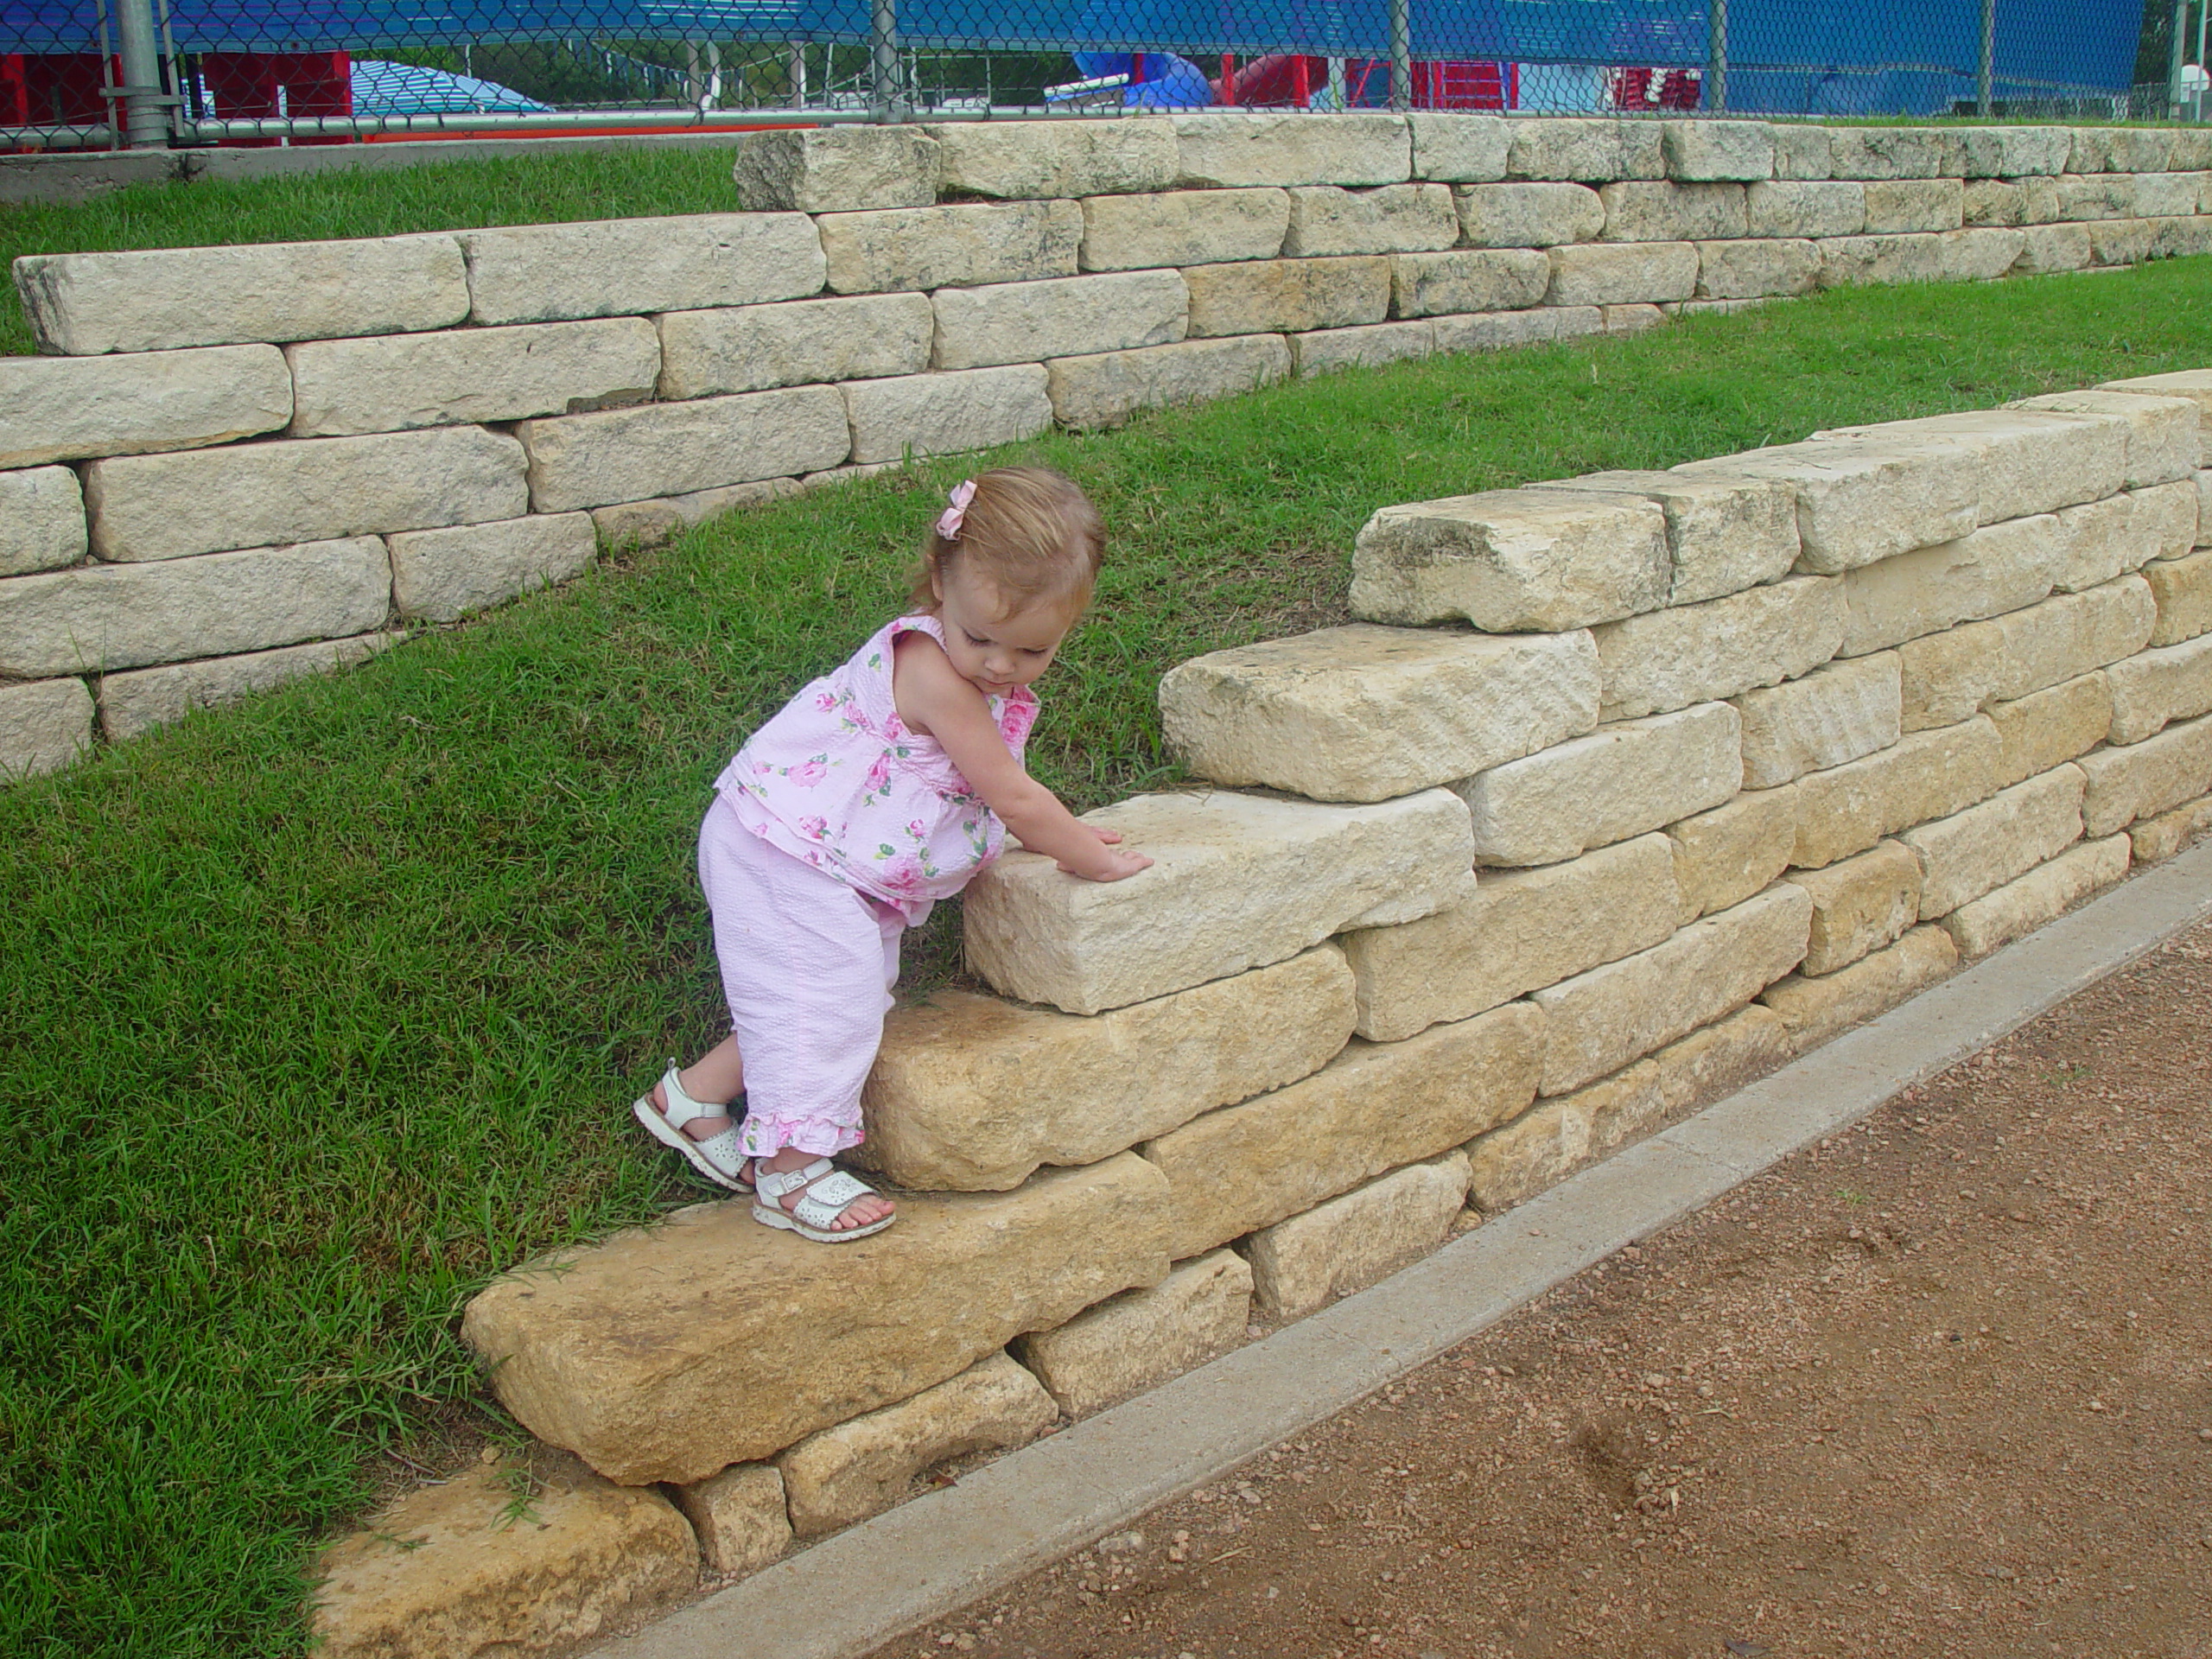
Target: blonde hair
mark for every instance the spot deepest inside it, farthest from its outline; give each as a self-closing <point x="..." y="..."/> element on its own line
<point x="1029" y="531"/>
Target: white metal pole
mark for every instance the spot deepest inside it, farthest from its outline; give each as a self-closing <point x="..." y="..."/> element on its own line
<point x="138" y="45"/>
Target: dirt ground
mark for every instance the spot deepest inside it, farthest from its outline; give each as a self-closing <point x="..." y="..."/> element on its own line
<point x="1942" y="1386"/>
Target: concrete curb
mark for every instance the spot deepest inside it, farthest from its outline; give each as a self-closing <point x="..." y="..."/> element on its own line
<point x="938" y="1553"/>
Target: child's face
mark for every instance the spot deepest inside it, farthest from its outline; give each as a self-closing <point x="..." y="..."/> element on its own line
<point x="994" y="649"/>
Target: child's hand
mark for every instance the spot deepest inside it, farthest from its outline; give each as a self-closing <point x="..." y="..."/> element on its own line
<point x="1109" y="865"/>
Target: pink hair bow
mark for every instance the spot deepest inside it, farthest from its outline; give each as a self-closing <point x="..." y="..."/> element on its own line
<point x="948" y="521"/>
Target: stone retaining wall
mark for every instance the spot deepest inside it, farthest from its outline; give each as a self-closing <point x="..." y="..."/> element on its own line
<point x="239" y="464"/>
<point x="1625" y="791"/>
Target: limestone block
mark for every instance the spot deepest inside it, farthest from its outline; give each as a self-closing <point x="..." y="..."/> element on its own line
<point x="1984" y="573"/>
<point x="2121" y="241"/>
<point x="1556" y="1137"/>
<point x="158" y="300"/>
<point x="2154" y="687"/>
<point x="2152" y="841"/>
<point x="1993" y="202"/>
<point x="1364" y="713"/>
<point x="660" y="449"/>
<point x="441" y="575"/>
<point x="44" y="726"/>
<point x="2041" y="895"/>
<point x="1854" y="261"/>
<point x="2090" y="151"/>
<point x="1947" y="677"/>
<point x="2180" y="238"/>
<point x="1623" y="273"/>
<point x="1860" y="906"/>
<point x="1396" y="218"/>
<point x="2192" y="149"/>
<point x="1328" y="350"/>
<point x="1373" y="1108"/>
<point x="1668" y="659"/>
<point x="1529" y="215"/>
<point x="739" y="1516"/>
<point x="1587" y="150"/>
<point x="1347" y="1244"/>
<point x="2138" y="150"/>
<point x="671" y="1351"/>
<point x="1633" y="319"/>
<point x="1289" y="295"/>
<point x="2166" y="515"/>
<point x="1237" y="881"/>
<point x="41" y="520"/>
<point x="1722" y="535"/>
<point x="951" y="246"/>
<point x="2196" y="385"/>
<point x="1512" y="560"/>
<point x="137" y="701"/>
<point x="2046" y="248"/>
<point x="1520" y="930"/>
<point x="1243" y="149"/>
<point x="945" y="414"/>
<point x="1753" y="270"/>
<point x="1834" y="715"/>
<point x="615" y="267"/>
<point x="1887" y="152"/>
<point x="1019" y="322"/>
<point x="1980" y="255"/>
<point x="1183" y="227"/>
<point x="2049" y="727"/>
<point x="644" y="524"/>
<point x="1497" y="331"/>
<point x="1971" y="853"/>
<point x="1994" y="153"/>
<point x="1469" y="279"/>
<point x="825" y="168"/>
<point x="972" y="1094"/>
<point x="2027" y="461"/>
<point x="2100" y="540"/>
<point x="842" y="1474"/>
<point x="1802" y="152"/>
<point x="1717" y="1060"/>
<point x="1662" y="211"/>
<point x="1140" y="1339"/>
<point x="1697" y="150"/>
<point x="1459" y="148"/>
<point x="1861" y="502"/>
<point x="1894" y="205"/>
<point x="2096" y="196"/>
<point x="1724" y="857"/>
<point x="314" y="489"/>
<point x="1814" y="208"/>
<point x="1600" y="1020"/>
<point x="450" y="1569"/>
<point x="803" y="342"/>
<point x="1049" y="159"/>
<point x="1619" y="781"/>
<point x="2168" y="196"/>
<point x="1106" y="389"/>
<point x="2182" y="588"/>
<point x="1847" y="808"/>
<point x="2162" y="444"/>
<point x="67" y="407"/>
<point x="1814" y="1011"/>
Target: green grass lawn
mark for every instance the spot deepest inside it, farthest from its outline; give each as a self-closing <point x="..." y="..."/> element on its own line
<point x="317" y="1010"/>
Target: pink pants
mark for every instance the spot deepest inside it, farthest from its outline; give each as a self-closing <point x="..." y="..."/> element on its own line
<point x="807" y="964"/>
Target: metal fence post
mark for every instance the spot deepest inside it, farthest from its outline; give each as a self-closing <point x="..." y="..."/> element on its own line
<point x="2174" y="59"/>
<point x="145" y="122"/>
<point x="1401" y="55"/>
<point x="1985" y="91"/>
<point x="1716" y="56"/>
<point x="885" y="94"/>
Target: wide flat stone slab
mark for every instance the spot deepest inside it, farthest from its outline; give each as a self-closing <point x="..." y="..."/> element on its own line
<point x="1859" y="501"/>
<point x="1967" y="855"/>
<point x="1722" y="535"/>
<point x="393" y="383"/>
<point x="2026" y="460"/>
<point x="67" y="409"/>
<point x="614" y="267"/>
<point x="1668" y="659"/>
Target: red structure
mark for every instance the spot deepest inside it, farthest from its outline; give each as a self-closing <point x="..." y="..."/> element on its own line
<point x="63" y="89"/>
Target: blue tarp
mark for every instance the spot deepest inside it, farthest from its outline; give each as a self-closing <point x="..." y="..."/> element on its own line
<point x="406" y="89"/>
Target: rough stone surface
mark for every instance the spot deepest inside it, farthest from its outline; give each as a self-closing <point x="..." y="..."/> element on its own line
<point x="1459" y="148"/>
<point x="1991" y="571"/>
<point x="1556" y="1137"/>
<point x="1834" y="714"/>
<point x="1633" y="319"/>
<point x="2121" y="241"/>
<point x="1994" y="202"/>
<point x="805" y="342"/>
<point x="1802" y="152"/>
<point x="1495" y="331"/>
<point x="394" y="383"/>
<point x="1237" y="881"/>
<point x="1364" y="713"/>
<point x="1183" y="227"/>
<point x="449" y="1570"/>
<point x="2047" y="728"/>
<point x="41" y="520"/>
<point x="950" y="246"/>
<point x="827" y="168"/>
<point x="1529" y="215"/>
<point x="1289" y="295"/>
<point x="2195" y="384"/>
<point x="1859" y="905"/>
<point x="1106" y="389"/>
<point x="2152" y="841"/>
<point x="615" y="267"/>
<point x="1668" y="659"/>
<point x="1754" y="269"/>
<point x="1847" y="808"/>
<point x="2041" y="895"/>
<point x="1328" y="350"/>
<point x="1699" y="150"/>
<point x="1980" y="255"/>
<point x="1861" y="502"/>
<point x="1594" y="273"/>
<point x="1512" y="560"/>
<point x="1348" y="1243"/>
<point x="311" y="489"/>
<point x="2163" y="433"/>
<point x="1967" y="855"/>
<point x="2154" y="687"/>
<point x="2182" y="589"/>
<point x="44" y="726"/>
<point x="1592" y="151"/>
<point x="441" y="575"/>
<point x="1142" y="1338"/>
<point x="1722" y="535"/>
<point x="1717" y="1060"/>
<point x="2096" y="196"/>
<point x="1374" y="1107"/>
<point x="137" y="701"/>
<point x="1232" y="149"/>
<point x="2011" y="152"/>
<point x="2026" y="461"/>
<point x="81" y="305"/>
<point x="1520" y="930"/>
<point x="1019" y="322"/>
<point x="1852" y="261"/>
<point x="740" y="1517"/>
<point x="2166" y="517"/>
<point x="842" y="1474"/>
<point x="972" y="1094"/>
<point x="2048" y="248"/>
<point x="2141" y="780"/>
<point x="1812" y="1011"/>
<point x="1821" y="208"/>
<point x="1396" y="218"/>
<point x="1468" y="279"/>
<point x="1047" y="159"/>
<point x="1887" y="152"/>
<point x="67" y="407"/>
<point x="1619" y="781"/>
<point x="1666" y="211"/>
<point x="1947" y="677"/>
<point x="645" y="523"/>
<point x="660" y="449"/>
<point x="1724" y="857"/>
<point x="670" y="1352"/>
<point x="945" y="414"/>
<point x="1894" y="206"/>
<point x="2100" y="540"/>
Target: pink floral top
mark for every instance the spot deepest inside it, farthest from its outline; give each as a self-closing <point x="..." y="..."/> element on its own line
<point x="835" y="779"/>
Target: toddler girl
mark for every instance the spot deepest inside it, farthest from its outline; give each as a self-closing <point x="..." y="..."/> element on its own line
<point x="876" y="792"/>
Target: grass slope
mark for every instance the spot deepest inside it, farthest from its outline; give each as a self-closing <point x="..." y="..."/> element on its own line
<point x="317" y="1010"/>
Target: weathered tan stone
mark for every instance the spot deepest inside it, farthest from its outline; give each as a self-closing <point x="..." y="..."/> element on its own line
<point x="1947" y="676"/>
<point x="1894" y="206"/>
<point x="1846" y="808"/>
<point x="1396" y="218"/>
<point x="1373" y="1108"/>
<point x="1459" y="148"/>
<point x="2121" y="241"/>
<point x="1815" y="1011"/>
<point x="1969" y="854"/>
<point x="441" y="575"/>
<point x="1786" y="208"/>
<point x="1347" y="1244"/>
<point x="2047" y="248"/>
<point x="1717" y="149"/>
<point x="1047" y="159"/>
<point x="1601" y="273"/>
<point x="1724" y="857"/>
<point x="825" y="168"/>
<point x="158" y="300"/>
<point x="1019" y="322"/>
<point x="665" y="449"/>
<point x="2041" y="895"/>
<point x="2026" y="461"/>
<point x="1142" y="1338"/>
<point x="502" y="1560"/>
<point x="41" y="520"/>
<point x="1529" y="215"/>
<point x="2141" y="780"/>
<point x="1328" y="350"/>
<point x="1633" y="319"/>
<point x="863" y="1466"/>
<point x="1852" y="261"/>
<point x="615" y="267"/>
<point x="1512" y="560"/>
<point x="2166" y="517"/>
<point x="2180" y="238"/>
<point x="670" y="1352"/>
<point x="1834" y="715"/>
<point x="945" y="414"/>
<point x="1663" y="211"/>
<point x="1859" y="905"/>
<point x="1361" y="148"/>
<point x="1289" y="295"/>
<point x="2128" y="150"/>
<point x="1363" y="713"/>
<point x="1994" y="202"/>
<point x="2182" y="588"/>
<point x="67" y="407"/>
<point x="135" y="702"/>
<point x="803" y="342"/>
<point x="949" y="246"/>
<point x="1592" y="151"/>
<point x="2050" y="727"/>
<point x="2203" y="509"/>
<point x="2100" y="540"/>
<point x="1556" y="1137"/>
<point x="1497" y="331"/>
<point x="1621" y="780"/>
<point x="1469" y="279"/>
<point x="1183" y="227"/>
<point x="1860" y="502"/>
<point x="1106" y="389"/>
<point x="1887" y="152"/>
<point x="2154" y="687"/>
<point x="2096" y="196"/>
<point x="2011" y="152"/>
<point x="1998" y="569"/>
<point x="1979" y="255"/>
<point x="1716" y="1060"/>
<point x="2152" y="841"/>
<point x="2196" y="385"/>
<point x="44" y="726"/>
<point x="1520" y="930"/>
<point x="740" y="1517"/>
<point x="1722" y="535"/>
<point x="1753" y="270"/>
<point x="644" y="524"/>
<point x="1803" y="151"/>
<point x="1237" y="881"/>
<point x="2162" y="440"/>
<point x="1668" y="659"/>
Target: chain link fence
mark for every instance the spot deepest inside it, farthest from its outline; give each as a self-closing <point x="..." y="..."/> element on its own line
<point x="138" y="74"/>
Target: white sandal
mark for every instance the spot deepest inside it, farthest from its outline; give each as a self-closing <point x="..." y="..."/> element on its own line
<point x="719" y="1157"/>
<point x="829" y="1192"/>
